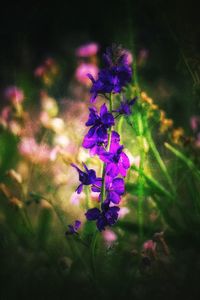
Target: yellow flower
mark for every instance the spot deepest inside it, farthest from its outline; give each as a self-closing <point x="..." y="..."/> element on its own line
<point x="177" y="134"/>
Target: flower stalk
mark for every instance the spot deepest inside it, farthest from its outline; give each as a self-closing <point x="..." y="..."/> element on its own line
<point x="104" y="142"/>
<point x="107" y="149"/>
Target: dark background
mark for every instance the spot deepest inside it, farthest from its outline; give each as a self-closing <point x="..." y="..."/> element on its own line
<point x="43" y="26"/>
<point x="30" y="31"/>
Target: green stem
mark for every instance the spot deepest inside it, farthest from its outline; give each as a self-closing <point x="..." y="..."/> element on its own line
<point x="119" y="127"/>
<point x="159" y="160"/>
<point x="103" y="183"/>
<point x="140" y="132"/>
<point x="107" y="149"/>
<point x="103" y="192"/>
<point x="87" y="197"/>
<point x="141" y="189"/>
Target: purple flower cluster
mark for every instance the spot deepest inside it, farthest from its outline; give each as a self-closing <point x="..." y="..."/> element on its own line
<point x="107" y="216"/>
<point x="101" y="140"/>
<point x="114" y="76"/>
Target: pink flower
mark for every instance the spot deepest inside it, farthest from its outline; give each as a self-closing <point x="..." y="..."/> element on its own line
<point x="129" y="56"/>
<point x="27" y="146"/>
<point x="149" y="245"/>
<point x="37" y="153"/>
<point x="123" y="212"/>
<point x="195" y="122"/>
<point x="109" y="237"/>
<point x="5" y="115"/>
<point x="14" y="94"/>
<point x="82" y="70"/>
<point x="87" y="50"/>
<point x="39" y="71"/>
<point x="48" y="65"/>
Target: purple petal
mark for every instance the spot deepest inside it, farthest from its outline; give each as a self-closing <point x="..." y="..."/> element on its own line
<point x="91" y="132"/>
<point x="103" y="110"/>
<point x="132" y="102"/>
<point x="108" y="119"/>
<point x="85" y="167"/>
<point x="91" y="77"/>
<point x="77" y="224"/>
<point x="101" y="132"/>
<point x="93" y="117"/>
<point x="124" y="160"/>
<point x="114" y="147"/>
<point x="118" y="185"/>
<point x="106" y="156"/>
<point x="120" y="148"/>
<point x="101" y="223"/>
<point x="115" y="137"/>
<point x="121" y="169"/>
<point x="96" y="150"/>
<point x="108" y="181"/>
<point x="112" y="169"/>
<point x="74" y="166"/>
<point x="107" y="60"/>
<point x="97" y="185"/>
<point x="113" y="197"/>
<point x="92" y="176"/>
<point x="71" y="229"/>
<point x="112" y="215"/>
<point x="79" y="188"/>
<point x="93" y="98"/>
<point x="92" y="214"/>
<point x="89" y="142"/>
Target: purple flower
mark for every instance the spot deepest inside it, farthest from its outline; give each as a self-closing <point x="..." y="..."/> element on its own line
<point x="106" y="217"/>
<point x="72" y="229"/>
<point x="105" y="119"/>
<point x="125" y="107"/>
<point x="94" y="143"/>
<point x="116" y="74"/>
<point x="114" y="189"/>
<point x="117" y="161"/>
<point x="86" y="178"/>
<point x="97" y="134"/>
<point x="92" y="214"/>
<point x="97" y="144"/>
